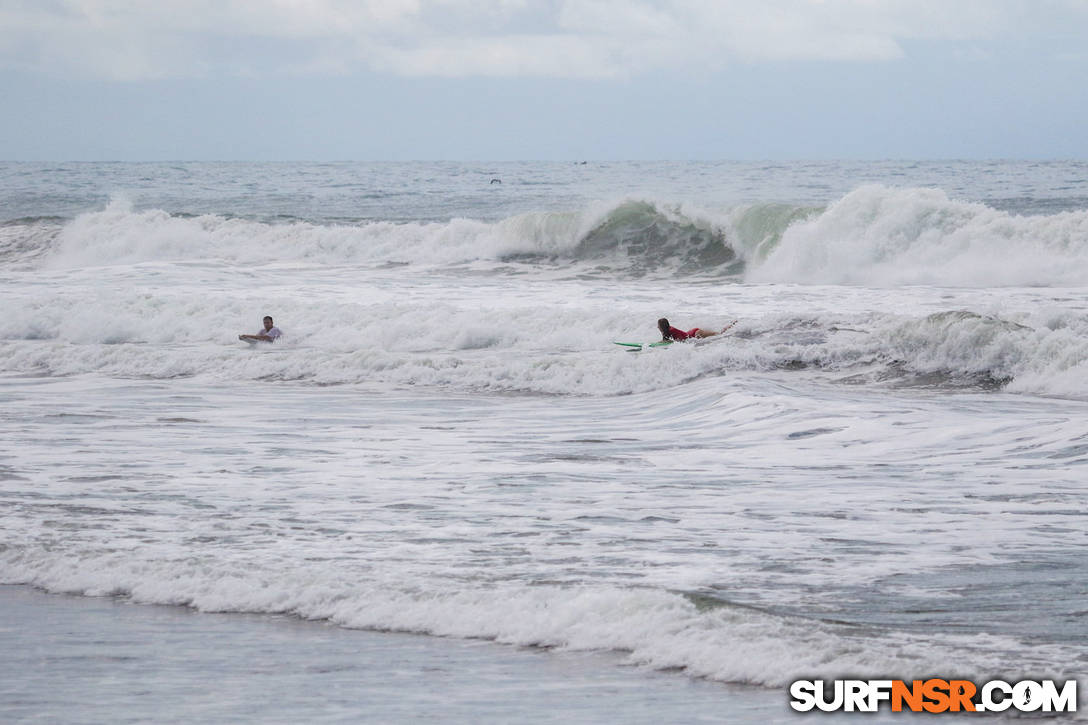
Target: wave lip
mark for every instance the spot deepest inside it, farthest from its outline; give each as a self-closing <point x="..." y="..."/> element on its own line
<point x="653" y="237"/>
<point x="881" y="236"/>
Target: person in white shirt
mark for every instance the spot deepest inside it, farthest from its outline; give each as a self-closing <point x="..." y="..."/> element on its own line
<point x="268" y="334"/>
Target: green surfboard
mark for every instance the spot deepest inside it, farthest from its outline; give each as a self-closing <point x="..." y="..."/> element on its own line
<point x="640" y="345"/>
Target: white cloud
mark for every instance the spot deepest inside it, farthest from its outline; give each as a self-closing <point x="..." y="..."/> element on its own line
<point x="123" y="40"/>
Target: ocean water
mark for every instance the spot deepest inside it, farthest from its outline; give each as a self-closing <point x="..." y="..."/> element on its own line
<point x="879" y="471"/>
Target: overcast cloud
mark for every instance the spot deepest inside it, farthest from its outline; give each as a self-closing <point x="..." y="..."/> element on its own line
<point x="119" y="40"/>
<point x="808" y="77"/>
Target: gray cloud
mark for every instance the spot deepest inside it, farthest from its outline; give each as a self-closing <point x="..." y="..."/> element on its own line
<point x="506" y="38"/>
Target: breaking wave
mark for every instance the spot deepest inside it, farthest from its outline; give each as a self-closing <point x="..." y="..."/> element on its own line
<point x="635" y="237"/>
<point x="875" y="235"/>
<point x="889" y="237"/>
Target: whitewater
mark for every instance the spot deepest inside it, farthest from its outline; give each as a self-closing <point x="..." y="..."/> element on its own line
<point x="877" y="472"/>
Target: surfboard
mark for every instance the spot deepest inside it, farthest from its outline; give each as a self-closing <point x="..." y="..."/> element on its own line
<point x="639" y="345"/>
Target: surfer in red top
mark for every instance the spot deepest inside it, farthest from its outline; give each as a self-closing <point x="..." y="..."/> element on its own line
<point x="668" y="332"/>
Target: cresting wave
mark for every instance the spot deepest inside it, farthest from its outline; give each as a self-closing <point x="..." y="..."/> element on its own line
<point x="634" y="236"/>
<point x="656" y="628"/>
<point x="875" y="236"/>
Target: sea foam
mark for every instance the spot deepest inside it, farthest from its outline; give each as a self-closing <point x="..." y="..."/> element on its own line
<point x="886" y="237"/>
<point x="655" y="628"/>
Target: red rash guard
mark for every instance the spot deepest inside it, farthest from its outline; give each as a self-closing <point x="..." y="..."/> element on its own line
<point x="678" y="334"/>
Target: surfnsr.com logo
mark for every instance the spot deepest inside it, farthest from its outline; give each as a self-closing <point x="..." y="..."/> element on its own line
<point x="933" y="695"/>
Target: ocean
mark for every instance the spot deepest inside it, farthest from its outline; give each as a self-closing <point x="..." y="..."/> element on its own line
<point x="445" y="465"/>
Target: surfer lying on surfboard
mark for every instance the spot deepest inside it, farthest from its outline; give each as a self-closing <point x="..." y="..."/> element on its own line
<point x="668" y="332"/>
<point x="268" y="334"/>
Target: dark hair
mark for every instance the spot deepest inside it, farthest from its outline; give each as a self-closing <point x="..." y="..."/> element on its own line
<point x="267" y="317"/>
<point x="663" y="325"/>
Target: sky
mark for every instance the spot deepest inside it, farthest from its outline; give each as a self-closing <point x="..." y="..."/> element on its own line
<point x="543" y="79"/>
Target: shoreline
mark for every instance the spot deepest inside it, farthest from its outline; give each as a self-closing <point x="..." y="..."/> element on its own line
<point x="101" y="659"/>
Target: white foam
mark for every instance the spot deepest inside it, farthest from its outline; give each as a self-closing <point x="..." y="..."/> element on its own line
<point x="119" y="235"/>
<point x="874" y="235"/>
<point x="146" y="294"/>
<point x="884" y="236"/>
<point x="508" y="335"/>
<point x="656" y="628"/>
<point x="573" y="523"/>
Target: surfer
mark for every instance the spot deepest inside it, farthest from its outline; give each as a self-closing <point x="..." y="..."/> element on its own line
<point x="668" y="332"/>
<point x="268" y="333"/>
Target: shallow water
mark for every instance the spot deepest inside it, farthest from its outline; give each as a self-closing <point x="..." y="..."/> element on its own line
<point x="80" y="660"/>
